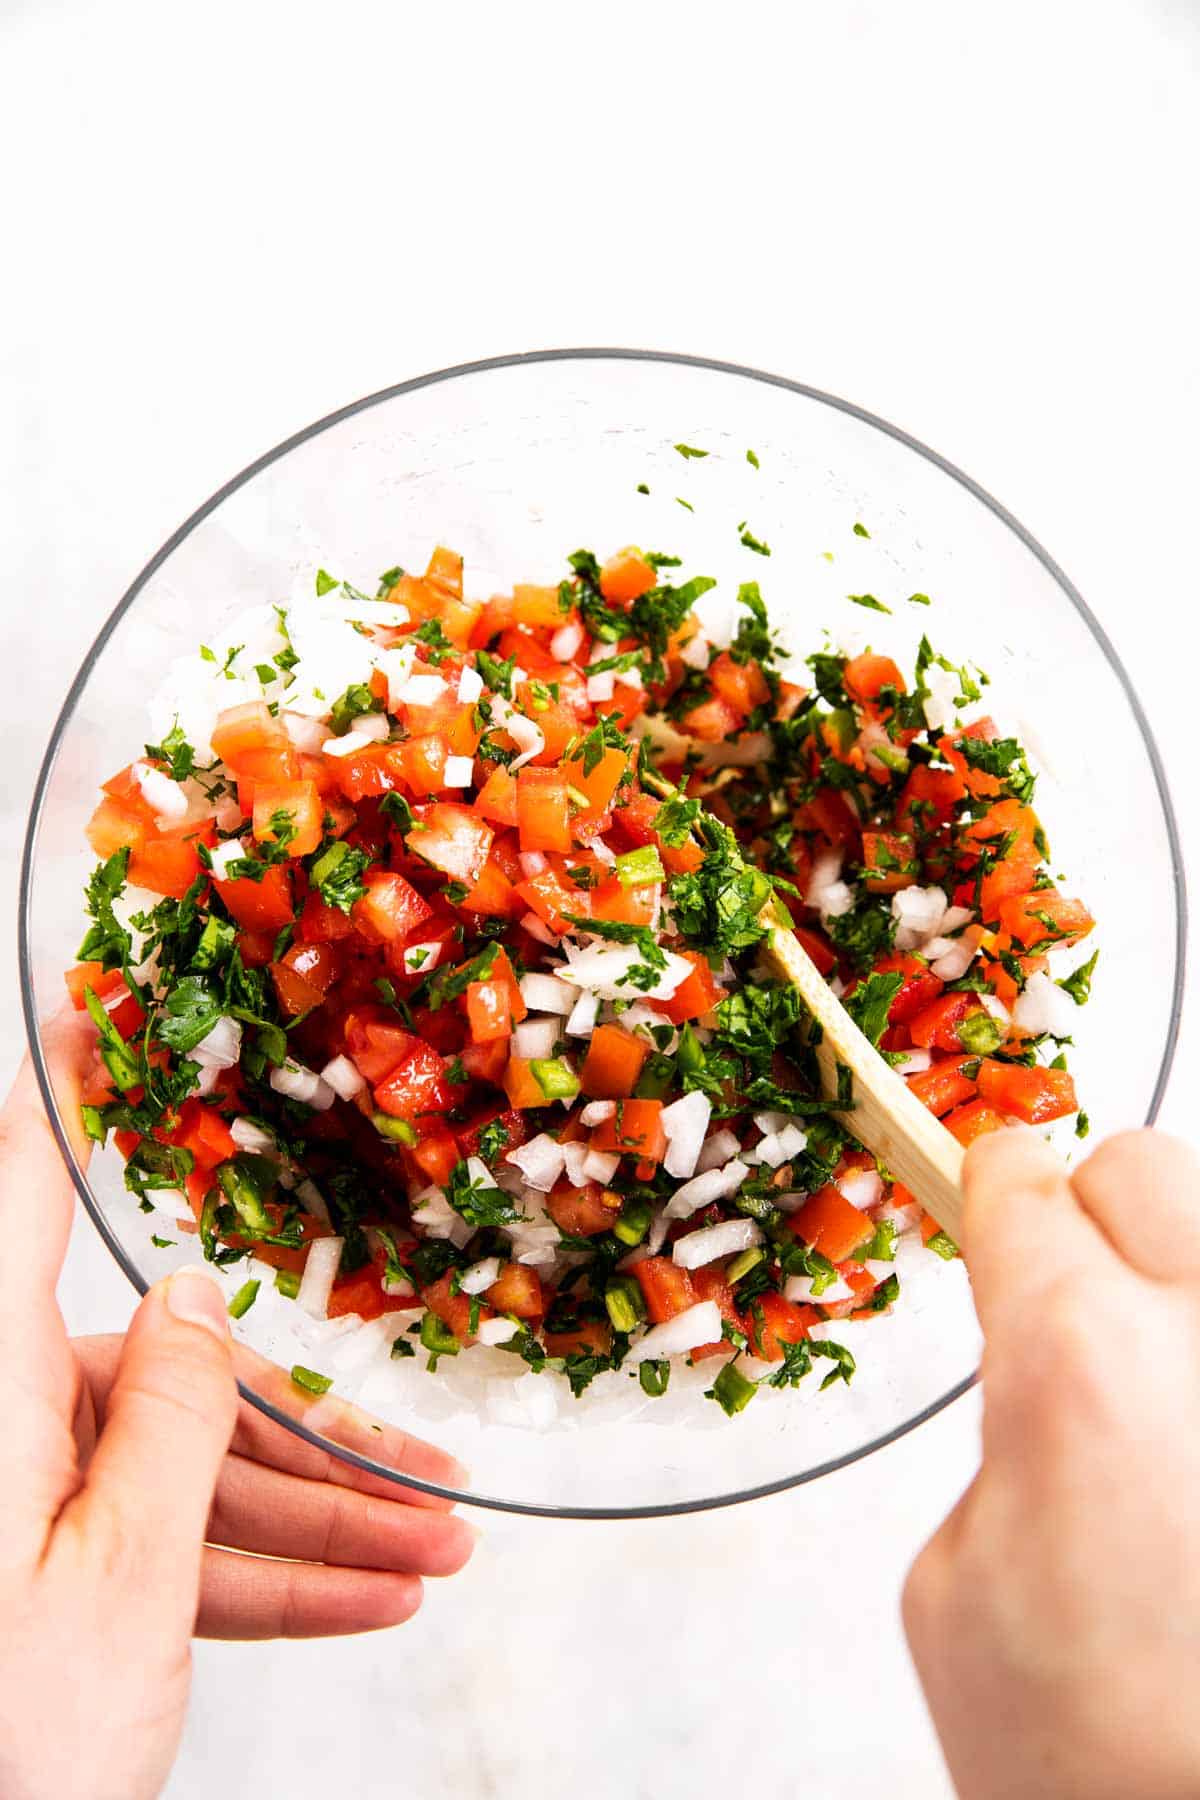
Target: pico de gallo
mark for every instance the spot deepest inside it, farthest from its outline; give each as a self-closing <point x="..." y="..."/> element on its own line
<point x="424" y="961"/>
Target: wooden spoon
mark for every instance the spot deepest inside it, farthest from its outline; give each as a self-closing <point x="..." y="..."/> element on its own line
<point x="887" y="1119"/>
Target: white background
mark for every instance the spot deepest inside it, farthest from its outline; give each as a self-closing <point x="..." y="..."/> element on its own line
<point x="221" y="222"/>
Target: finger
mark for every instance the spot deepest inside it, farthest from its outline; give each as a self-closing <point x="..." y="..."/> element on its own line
<point x="245" y="1598"/>
<point x="263" y="1441"/>
<point x="1022" y="1225"/>
<point x="36" y="1199"/>
<point x="170" y="1416"/>
<point x="342" y="1423"/>
<point x="1142" y="1188"/>
<point x="313" y="1521"/>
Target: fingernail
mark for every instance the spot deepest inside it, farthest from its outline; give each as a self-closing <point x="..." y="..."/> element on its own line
<point x="195" y="1297"/>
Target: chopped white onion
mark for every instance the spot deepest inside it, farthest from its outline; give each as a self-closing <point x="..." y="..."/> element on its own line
<point x="701" y="1190"/>
<point x="532" y="863"/>
<point x="717" y="1150"/>
<point x="296" y="1082"/>
<point x="566" y="641"/>
<point x="913" y="1062"/>
<point x="221" y="1047"/>
<point x="685" y="1122"/>
<point x="480" y="1276"/>
<point x="536" y="1037"/>
<point x="249" y="1136"/>
<point x="349" y="744"/>
<point x="800" y="1288"/>
<point x="230" y="851"/>
<point x="596" y="1112"/>
<point x="599" y="1165"/>
<point x="694" y="654"/>
<point x="320" y="1269"/>
<point x="953" y="920"/>
<point x="724" y="1239"/>
<point x="603" y="969"/>
<point x="600" y="687"/>
<point x="700" y="1324"/>
<point x="1043" y="1006"/>
<point x="918" y="912"/>
<point x="496" y="1331"/>
<point x="575" y="1156"/>
<point x="164" y="796"/>
<point x="423" y="956"/>
<point x="307" y="735"/>
<point x="938" y="705"/>
<point x="825" y="871"/>
<point x="313" y="1200"/>
<point x="437" y="1218"/>
<point x="656" y="1237"/>
<point x="952" y="963"/>
<point x="547" y="994"/>
<point x="528" y="738"/>
<point x="861" y="1187"/>
<point x="582" y="1021"/>
<point x="540" y="1162"/>
<point x="422" y="690"/>
<point x="996" y="1007"/>
<point x="458" y="772"/>
<point x="601" y="851"/>
<point x="341" y="1075"/>
<point x="227" y="813"/>
<point x="470" y="685"/>
<point x="836" y="900"/>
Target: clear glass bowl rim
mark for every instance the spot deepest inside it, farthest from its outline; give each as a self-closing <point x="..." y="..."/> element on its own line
<point x="517" y="359"/>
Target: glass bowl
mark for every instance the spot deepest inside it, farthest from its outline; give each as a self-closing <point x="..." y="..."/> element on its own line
<point x="516" y="462"/>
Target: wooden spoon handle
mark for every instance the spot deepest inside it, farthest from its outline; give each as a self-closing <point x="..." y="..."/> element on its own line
<point x="888" y="1119"/>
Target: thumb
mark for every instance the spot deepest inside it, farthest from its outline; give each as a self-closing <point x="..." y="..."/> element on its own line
<point x="169" y="1419"/>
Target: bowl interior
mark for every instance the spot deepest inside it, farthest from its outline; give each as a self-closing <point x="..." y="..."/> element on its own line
<point x="516" y="463"/>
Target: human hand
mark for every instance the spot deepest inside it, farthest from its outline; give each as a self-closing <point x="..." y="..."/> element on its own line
<point x="1055" y="1617"/>
<point x="124" y="1462"/>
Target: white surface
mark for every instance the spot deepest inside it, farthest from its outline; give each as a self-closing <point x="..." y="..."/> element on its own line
<point x="226" y="226"/>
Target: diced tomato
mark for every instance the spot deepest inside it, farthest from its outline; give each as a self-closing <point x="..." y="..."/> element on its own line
<point x="695" y="996"/>
<point x="436" y="1152"/>
<point x="829" y="1223"/>
<point x="376" y="1042"/>
<point x="919" y="989"/>
<point x="493" y="1007"/>
<point x="361" y="1293"/>
<point x="497" y="798"/>
<point x="322" y="924"/>
<point x="518" y="1290"/>
<point x="295" y="802"/>
<point x="973" y="1120"/>
<point x="376" y="769"/>
<point x="930" y="798"/>
<point x="889" y="861"/>
<point x="543" y="810"/>
<point x="1035" y="1095"/>
<point x="203" y="1131"/>
<point x="454" y="1310"/>
<point x="666" y="1288"/>
<point x="626" y="576"/>
<point x="114" y="826"/>
<point x="514" y="1124"/>
<point x="264" y="905"/>
<point x="772" y="1322"/>
<point x="256" y="948"/>
<point x="304" y="975"/>
<point x="591" y="1337"/>
<point x="614" y="903"/>
<point x="865" y="675"/>
<point x="92" y="975"/>
<point x="493" y="893"/>
<point x="417" y="1085"/>
<point x="942" y="1086"/>
<point x="937" y="1027"/>
<point x="246" y="728"/>
<point x="453" y="839"/>
<point x="743" y="686"/>
<point x="390" y="910"/>
<point x="536" y="606"/>
<point x="1044" y="918"/>
<point x="553" y="900"/>
<point x="613" y="1063"/>
<point x="167" y="862"/>
<point x="584" y="1211"/>
<point x="486" y="1062"/>
<point x="599" y="784"/>
<point x="635" y="1130"/>
<point x="829" y="813"/>
<point x="711" y="721"/>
